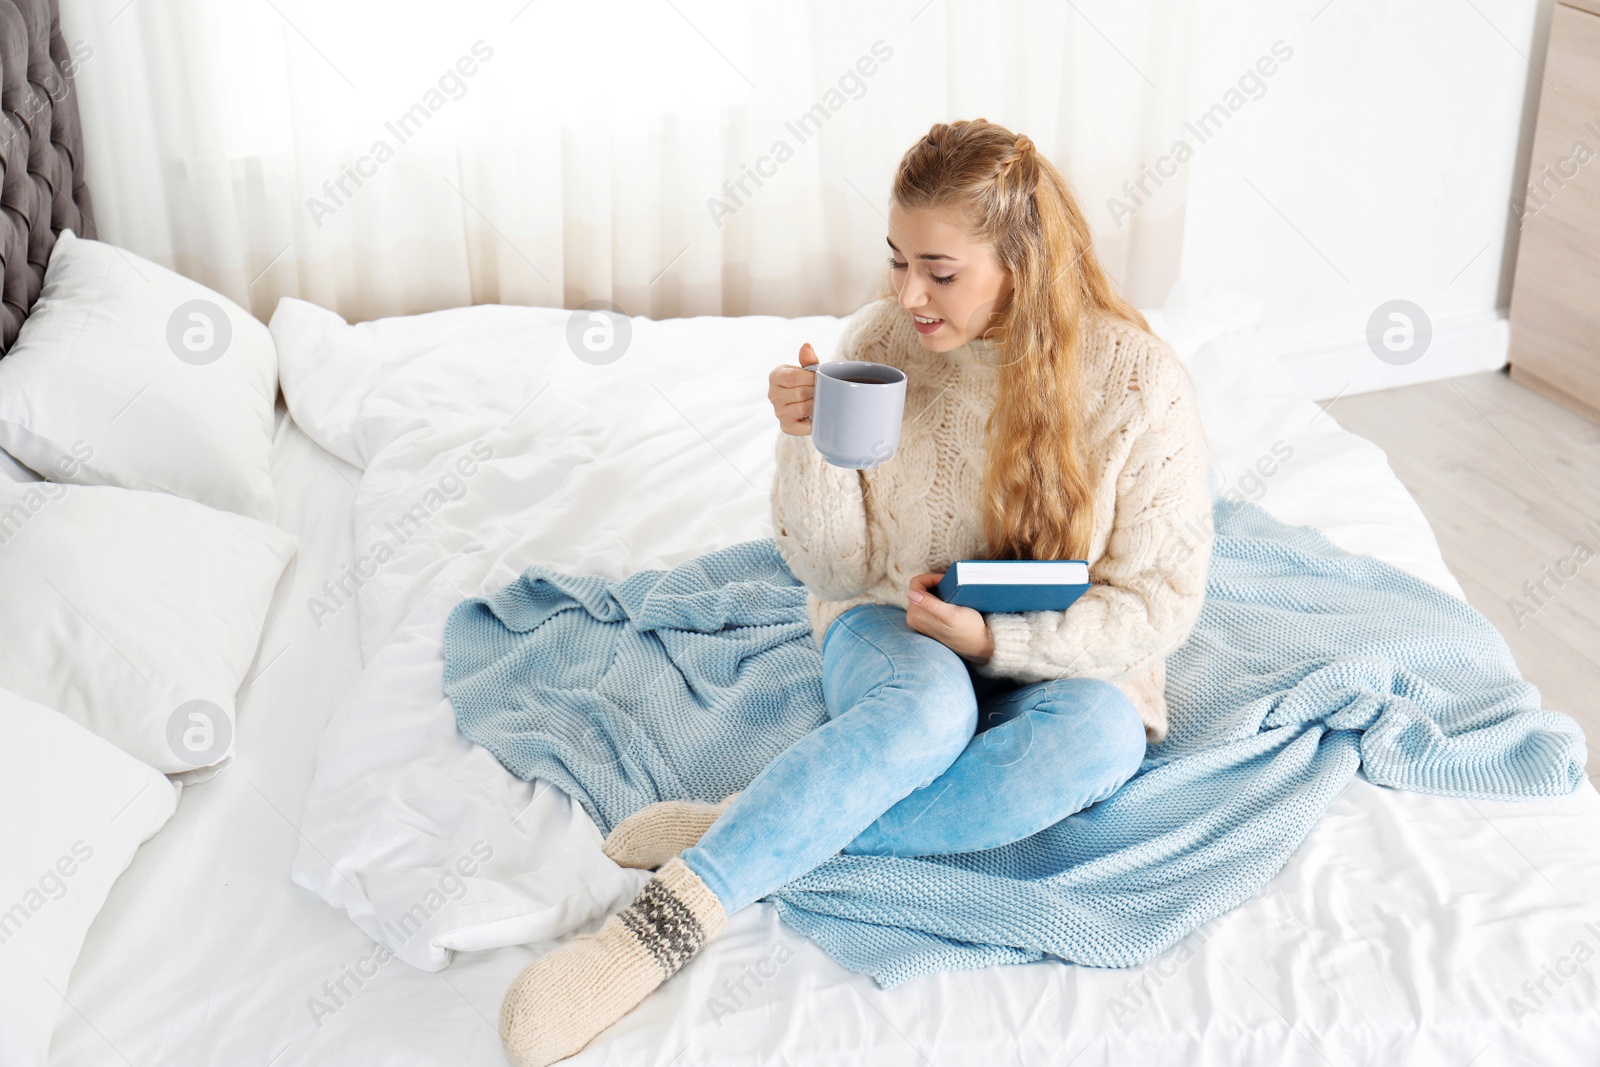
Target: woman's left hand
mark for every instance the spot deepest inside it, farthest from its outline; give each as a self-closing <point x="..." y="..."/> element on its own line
<point x="962" y="630"/>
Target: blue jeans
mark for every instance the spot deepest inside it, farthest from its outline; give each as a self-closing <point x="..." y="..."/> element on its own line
<point x="921" y="756"/>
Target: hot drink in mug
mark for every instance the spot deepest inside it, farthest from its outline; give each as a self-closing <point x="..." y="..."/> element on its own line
<point x="856" y="413"/>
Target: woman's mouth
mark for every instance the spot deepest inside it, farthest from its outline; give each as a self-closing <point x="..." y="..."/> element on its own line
<point x="924" y="324"/>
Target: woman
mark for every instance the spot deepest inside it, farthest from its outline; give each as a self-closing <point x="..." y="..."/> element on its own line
<point x="1043" y="421"/>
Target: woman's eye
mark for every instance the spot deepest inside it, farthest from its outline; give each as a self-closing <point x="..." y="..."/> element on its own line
<point x="944" y="279"/>
<point x="895" y="264"/>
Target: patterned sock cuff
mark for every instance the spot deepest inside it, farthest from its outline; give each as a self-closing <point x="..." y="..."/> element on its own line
<point x="675" y="914"/>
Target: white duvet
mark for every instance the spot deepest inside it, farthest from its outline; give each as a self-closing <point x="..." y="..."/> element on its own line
<point x="1401" y="931"/>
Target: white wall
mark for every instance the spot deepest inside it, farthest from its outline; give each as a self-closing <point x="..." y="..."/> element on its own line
<point x="1380" y="163"/>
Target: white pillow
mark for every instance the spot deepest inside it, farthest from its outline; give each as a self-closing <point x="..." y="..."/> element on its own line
<point x="127" y="374"/>
<point x="136" y="614"/>
<point x="12" y="471"/>
<point x="76" y="810"/>
<point x="339" y="379"/>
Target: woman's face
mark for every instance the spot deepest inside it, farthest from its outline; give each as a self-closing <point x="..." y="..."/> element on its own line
<point x="948" y="281"/>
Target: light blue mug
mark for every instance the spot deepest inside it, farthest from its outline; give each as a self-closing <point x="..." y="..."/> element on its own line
<point x="856" y="412"/>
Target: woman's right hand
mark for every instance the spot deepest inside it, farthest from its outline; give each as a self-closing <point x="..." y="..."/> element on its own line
<point x="791" y="391"/>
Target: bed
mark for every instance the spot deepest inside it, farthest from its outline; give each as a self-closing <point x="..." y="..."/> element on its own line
<point x="1403" y="930"/>
<point x="264" y="922"/>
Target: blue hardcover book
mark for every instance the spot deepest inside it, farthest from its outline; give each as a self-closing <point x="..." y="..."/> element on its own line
<point x="1010" y="585"/>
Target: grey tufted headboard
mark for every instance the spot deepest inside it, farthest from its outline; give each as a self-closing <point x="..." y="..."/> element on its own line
<point x="42" y="190"/>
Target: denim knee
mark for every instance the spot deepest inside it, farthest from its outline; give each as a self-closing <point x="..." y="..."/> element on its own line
<point x="1109" y="720"/>
<point x="935" y="711"/>
<point x="941" y="709"/>
<point x="947" y="709"/>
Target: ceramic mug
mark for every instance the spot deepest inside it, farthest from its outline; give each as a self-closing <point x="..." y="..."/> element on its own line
<point x="856" y="412"/>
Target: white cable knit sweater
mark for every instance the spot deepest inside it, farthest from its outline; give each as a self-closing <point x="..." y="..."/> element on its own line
<point x="858" y="537"/>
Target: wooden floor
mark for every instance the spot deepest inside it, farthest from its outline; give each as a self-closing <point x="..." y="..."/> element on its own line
<point x="1511" y="484"/>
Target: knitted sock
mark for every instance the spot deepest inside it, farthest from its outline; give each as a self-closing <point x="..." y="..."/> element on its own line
<point x="561" y="1001"/>
<point x="657" y="832"/>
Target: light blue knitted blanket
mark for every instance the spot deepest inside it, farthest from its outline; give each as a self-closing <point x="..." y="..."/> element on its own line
<point x="1306" y="664"/>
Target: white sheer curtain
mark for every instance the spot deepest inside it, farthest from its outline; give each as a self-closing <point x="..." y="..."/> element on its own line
<point x="534" y="152"/>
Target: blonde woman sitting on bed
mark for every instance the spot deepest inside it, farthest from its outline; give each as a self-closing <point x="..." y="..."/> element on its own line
<point x="1042" y="422"/>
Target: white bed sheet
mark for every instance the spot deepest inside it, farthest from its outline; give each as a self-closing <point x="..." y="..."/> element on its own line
<point x="1396" y="934"/>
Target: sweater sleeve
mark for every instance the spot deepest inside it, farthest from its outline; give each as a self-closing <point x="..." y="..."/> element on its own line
<point x="819" y="520"/>
<point x="1149" y="583"/>
<point x="819" y="511"/>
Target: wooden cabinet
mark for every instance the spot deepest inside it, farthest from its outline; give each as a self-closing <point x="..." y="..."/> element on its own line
<point x="1555" y="296"/>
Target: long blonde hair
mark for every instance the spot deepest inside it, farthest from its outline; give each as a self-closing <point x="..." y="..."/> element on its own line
<point x="1038" y="502"/>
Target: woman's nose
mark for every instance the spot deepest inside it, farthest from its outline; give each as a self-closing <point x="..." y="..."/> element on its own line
<point x="911" y="295"/>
